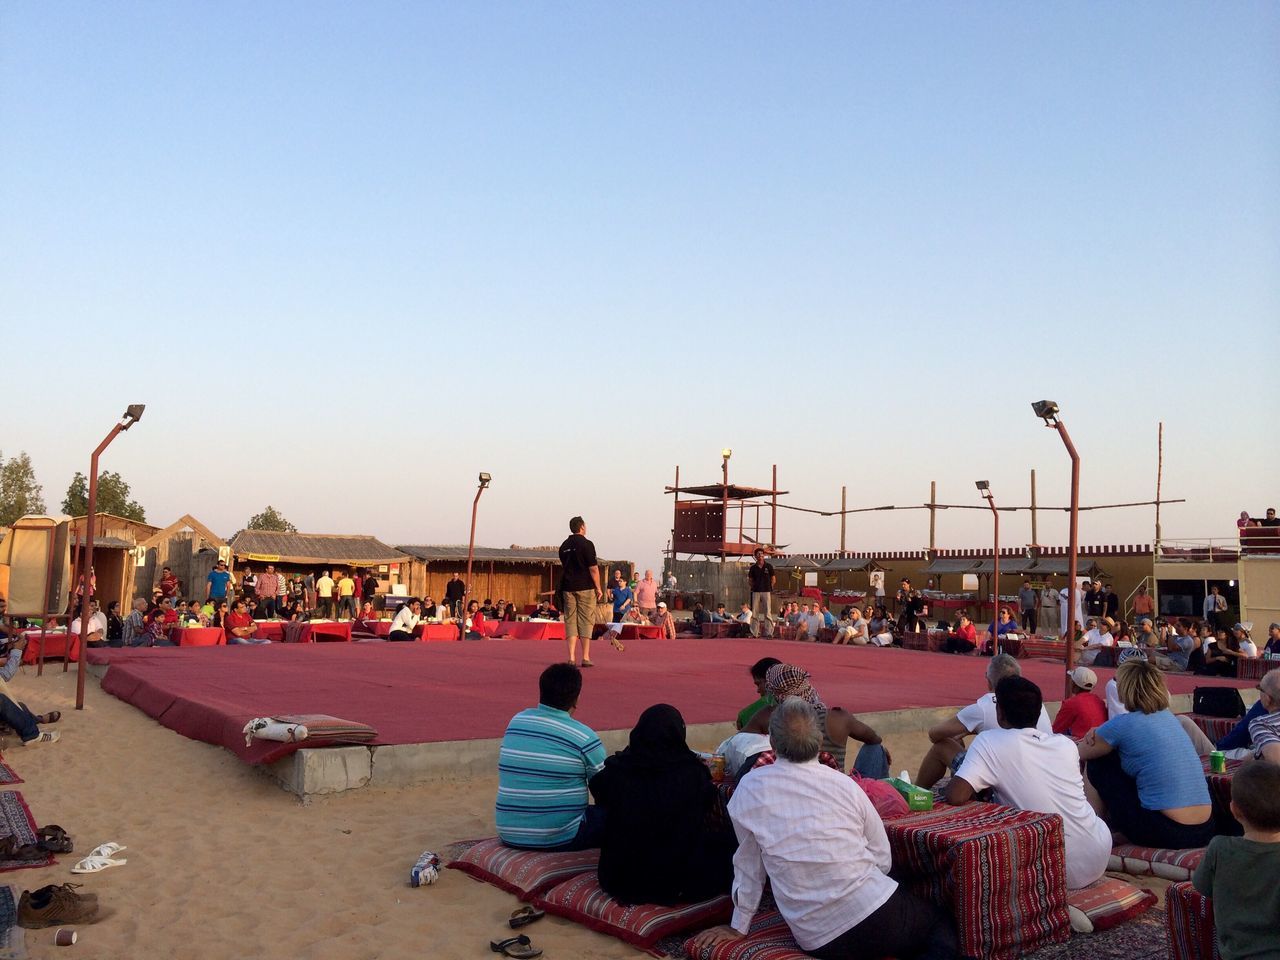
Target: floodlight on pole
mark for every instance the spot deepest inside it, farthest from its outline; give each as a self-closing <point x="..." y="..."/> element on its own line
<point x="484" y="480"/>
<point x="1047" y="410"/>
<point x="132" y="414"/>
<point x="985" y="488"/>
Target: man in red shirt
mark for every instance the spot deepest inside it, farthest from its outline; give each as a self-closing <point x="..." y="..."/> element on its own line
<point x="1082" y="711"/>
<point x="169" y="584"/>
<point x="240" y="627"/>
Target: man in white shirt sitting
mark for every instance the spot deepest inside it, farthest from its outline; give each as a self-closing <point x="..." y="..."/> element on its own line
<point x="1096" y="639"/>
<point x="815" y="836"/>
<point x="948" y="736"/>
<point x="1031" y="770"/>
<point x="97" y="625"/>
<point x="406" y="619"/>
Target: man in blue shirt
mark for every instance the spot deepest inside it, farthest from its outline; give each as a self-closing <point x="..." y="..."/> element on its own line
<point x="17" y="716"/>
<point x="218" y="581"/>
<point x="621" y="595"/>
<point x="544" y="764"/>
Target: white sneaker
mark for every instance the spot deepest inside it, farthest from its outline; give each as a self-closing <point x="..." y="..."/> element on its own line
<point x="49" y="736"/>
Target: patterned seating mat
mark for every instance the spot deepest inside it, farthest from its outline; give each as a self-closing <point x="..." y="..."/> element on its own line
<point x="8" y="776"/>
<point x="16" y="821"/>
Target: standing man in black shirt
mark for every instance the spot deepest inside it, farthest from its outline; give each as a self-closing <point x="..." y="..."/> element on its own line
<point x="760" y="574"/>
<point x="1094" y="603"/>
<point x="454" y="591"/>
<point x="580" y="584"/>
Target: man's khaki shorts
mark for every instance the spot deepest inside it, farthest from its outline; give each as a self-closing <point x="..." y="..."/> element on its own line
<point x="579" y="614"/>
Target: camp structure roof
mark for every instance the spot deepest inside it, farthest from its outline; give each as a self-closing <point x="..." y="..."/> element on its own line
<point x="716" y="491"/>
<point x="851" y="564"/>
<point x="271" y="546"/>
<point x="952" y="565"/>
<point x="185" y="522"/>
<point x="833" y="564"/>
<point x="446" y="553"/>
<point x="797" y="562"/>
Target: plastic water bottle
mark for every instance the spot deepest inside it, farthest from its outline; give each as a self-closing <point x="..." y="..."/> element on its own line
<point x="426" y="871"/>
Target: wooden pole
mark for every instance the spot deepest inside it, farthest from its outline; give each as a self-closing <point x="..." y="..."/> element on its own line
<point x="773" y="532"/>
<point x="843" y="504"/>
<point x="1034" y="540"/>
<point x="1159" y="479"/>
<point x="933" y="512"/>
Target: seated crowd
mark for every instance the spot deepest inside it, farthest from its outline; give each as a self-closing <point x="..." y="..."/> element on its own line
<point x="796" y="820"/>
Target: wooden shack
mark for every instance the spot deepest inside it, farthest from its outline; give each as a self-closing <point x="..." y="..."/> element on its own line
<point x="521" y="575"/>
<point x="297" y="554"/>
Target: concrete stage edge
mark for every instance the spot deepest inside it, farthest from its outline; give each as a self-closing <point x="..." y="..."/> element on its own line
<point x="442" y="707"/>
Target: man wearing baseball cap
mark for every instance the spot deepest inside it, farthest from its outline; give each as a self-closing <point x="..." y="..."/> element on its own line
<point x="1083" y="710"/>
<point x="665" y="621"/>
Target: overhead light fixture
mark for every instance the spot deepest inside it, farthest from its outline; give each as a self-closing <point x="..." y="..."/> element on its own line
<point x="726" y="453"/>
<point x="982" y="484"/>
<point x="484" y="479"/>
<point x="132" y="414"/>
<point x="1046" y="410"/>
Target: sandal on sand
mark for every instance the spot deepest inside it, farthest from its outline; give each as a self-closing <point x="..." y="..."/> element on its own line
<point x="519" y="947"/>
<point x="54" y="839"/>
<point x="587" y="663"/>
<point x="107" y="849"/>
<point x="53" y="716"/>
<point x="96" y="864"/>
<point x="525" y="916"/>
<point x="12" y="849"/>
<point x="617" y="645"/>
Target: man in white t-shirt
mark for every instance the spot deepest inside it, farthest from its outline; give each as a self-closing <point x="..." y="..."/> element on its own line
<point x="1031" y="770"/>
<point x="324" y="593"/>
<point x="97" y="625"/>
<point x="948" y="736"/>
<point x="1097" y="638"/>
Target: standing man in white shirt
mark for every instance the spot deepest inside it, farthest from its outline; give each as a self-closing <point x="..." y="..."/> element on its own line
<point x="948" y="737"/>
<point x="814" y="835"/>
<point x="406" y="619"/>
<point x="1030" y="770"/>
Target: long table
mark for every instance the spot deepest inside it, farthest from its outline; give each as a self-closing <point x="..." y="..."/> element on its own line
<point x="629" y="631"/>
<point x="198" y="636"/>
<point x="317" y="631"/>
<point x="525" y="629"/>
<point x="1001" y="872"/>
<point x="55" y="646"/>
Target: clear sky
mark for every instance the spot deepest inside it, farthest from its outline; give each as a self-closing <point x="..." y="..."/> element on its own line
<point x="351" y="254"/>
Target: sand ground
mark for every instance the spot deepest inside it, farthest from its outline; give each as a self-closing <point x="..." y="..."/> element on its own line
<point x="223" y="863"/>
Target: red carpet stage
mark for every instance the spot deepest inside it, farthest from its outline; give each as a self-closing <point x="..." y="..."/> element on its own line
<point x="434" y="692"/>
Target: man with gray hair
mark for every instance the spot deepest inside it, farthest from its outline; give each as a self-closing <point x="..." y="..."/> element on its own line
<point x="815" y="836"/>
<point x="948" y="737"/>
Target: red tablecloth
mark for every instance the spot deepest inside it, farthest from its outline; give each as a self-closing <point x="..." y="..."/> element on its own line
<point x="270" y="630"/>
<point x="55" y="646"/>
<point x="1002" y="873"/>
<point x="199" y="636"/>
<point x="379" y="628"/>
<point x="436" y="632"/>
<point x="631" y="631"/>
<point x="317" y="632"/>
<point x="525" y="629"/>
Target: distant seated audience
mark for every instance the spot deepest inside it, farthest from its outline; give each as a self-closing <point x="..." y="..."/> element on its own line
<point x="665" y="621"/>
<point x="405" y="620"/>
<point x="666" y="839"/>
<point x="852" y="629"/>
<point x="963" y="639"/>
<point x="97" y="632"/>
<point x="240" y="626"/>
<point x="473" y="622"/>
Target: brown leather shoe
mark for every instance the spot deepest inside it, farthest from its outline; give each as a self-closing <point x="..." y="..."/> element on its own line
<point x="54" y="906"/>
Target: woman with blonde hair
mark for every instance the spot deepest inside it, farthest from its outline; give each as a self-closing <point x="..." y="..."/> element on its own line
<point x="1144" y="777"/>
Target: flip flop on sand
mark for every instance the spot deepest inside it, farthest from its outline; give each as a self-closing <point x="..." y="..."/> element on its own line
<point x="53" y="716"/>
<point x="107" y="850"/>
<point x="617" y="645"/>
<point x="525" y="916"/>
<point x="96" y="864"/>
<point x="519" y="947"/>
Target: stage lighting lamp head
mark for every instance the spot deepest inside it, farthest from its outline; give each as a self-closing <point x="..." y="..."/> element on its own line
<point x="1046" y="410"/>
<point x="726" y="453"/>
<point x="982" y="484"/>
<point x="485" y="479"/>
<point x="132" y="414"/>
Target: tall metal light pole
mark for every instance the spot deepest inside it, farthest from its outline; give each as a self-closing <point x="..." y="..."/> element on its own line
<point x="725" y="454"/>
<point x="485" y="479"/>
<point x="984" y="487"/>
<point x="1047" y="410"/>
<point x="131" y="416"/>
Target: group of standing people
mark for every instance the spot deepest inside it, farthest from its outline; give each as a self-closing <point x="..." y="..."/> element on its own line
<point x="333" y="594"/>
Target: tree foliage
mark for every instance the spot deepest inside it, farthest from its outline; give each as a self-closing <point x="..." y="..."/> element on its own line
<point x="271" y="519"/>
<point x="19" y="493"/>
<point x="113" y="497"/>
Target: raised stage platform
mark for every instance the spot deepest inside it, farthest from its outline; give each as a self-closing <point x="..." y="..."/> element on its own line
<point x="441" y="708"/>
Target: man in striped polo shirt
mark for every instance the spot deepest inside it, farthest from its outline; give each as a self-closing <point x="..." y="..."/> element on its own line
<point x="544" y="764"/>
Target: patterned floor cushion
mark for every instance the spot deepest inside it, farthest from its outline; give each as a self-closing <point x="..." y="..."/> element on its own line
<point x="1154" y="861"/>
<point x="1215" y="728"/>
<point x="769" y="939"/>
<point x="582" y="901"/>
<point x="1105" y="903"/>
<point x="526" y="873"/>
<point x="1189" y="918"/>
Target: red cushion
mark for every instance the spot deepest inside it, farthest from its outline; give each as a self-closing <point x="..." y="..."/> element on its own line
<point x="1155" y="861"/>
<point x="583" y="901"/>
<point x="1107" y="902"/>
<point x="768" y="939"/>
<point x="525" y="873"/>
<point x="1189" y="918"/>
<point x="321" y="726"/>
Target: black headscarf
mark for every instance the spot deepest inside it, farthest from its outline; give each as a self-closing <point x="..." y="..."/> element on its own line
<point x="657" y="740"/>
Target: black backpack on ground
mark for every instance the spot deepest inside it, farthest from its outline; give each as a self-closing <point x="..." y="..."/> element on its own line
<point x="1217" y="702"/>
